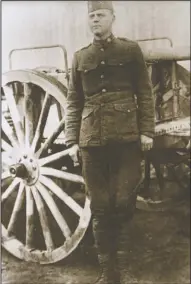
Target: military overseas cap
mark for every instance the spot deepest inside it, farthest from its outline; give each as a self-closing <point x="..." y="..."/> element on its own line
<point x="96" y="5"/>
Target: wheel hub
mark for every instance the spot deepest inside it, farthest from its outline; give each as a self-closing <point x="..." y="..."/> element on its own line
<point x="27" y="168"/>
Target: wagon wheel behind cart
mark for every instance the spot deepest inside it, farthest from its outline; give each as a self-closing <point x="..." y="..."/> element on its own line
<point x="171" y="168"/>
<point x="45" y="212"/>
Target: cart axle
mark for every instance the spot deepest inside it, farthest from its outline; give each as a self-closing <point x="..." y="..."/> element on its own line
<point x="18" y="170"/>
<point x="26" y="169"/>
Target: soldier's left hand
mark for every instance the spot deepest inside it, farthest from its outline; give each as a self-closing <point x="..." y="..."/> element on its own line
<point x="146" y="143"/>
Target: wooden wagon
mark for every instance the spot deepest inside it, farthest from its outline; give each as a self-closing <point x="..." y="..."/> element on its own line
<point x="45" y="212"/>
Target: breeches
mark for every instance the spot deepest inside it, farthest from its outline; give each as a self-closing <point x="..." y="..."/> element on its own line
<point x="111" y="175"/>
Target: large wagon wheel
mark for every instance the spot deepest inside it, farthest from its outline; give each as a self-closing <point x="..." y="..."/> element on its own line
<point x="42" y="221"/>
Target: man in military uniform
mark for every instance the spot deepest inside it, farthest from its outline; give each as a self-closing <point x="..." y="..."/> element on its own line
<point x="109" y="119"/>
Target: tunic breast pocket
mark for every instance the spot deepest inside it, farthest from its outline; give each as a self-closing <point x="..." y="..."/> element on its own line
<point x="123" y="61"/>
<point x="126" y="118"/>
<point x="87" y="68"/>
<point x="89" y="75"/>
<point x="120" y="69"/>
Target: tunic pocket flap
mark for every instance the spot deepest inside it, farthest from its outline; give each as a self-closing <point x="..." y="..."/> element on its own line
<point x="85" y="67"/>
<point x="87" y="112"/>
<point x="124" y="108"/>
<point x="119" y="61"/>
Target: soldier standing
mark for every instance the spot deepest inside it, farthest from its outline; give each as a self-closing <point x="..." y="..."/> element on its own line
<point x="110" y="120"/>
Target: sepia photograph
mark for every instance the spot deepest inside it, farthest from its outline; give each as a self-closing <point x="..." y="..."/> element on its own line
<point x="95" y="142"/>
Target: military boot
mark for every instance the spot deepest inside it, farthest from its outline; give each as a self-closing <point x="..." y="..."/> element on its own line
<point x="123" y="251"/>
<point x="107" y="272"/>
<point x="105" y="251"/>
<point x="125" y="276"/>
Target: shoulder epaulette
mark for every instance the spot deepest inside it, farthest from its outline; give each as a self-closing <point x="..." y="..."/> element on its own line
<point x="85" y="47"/>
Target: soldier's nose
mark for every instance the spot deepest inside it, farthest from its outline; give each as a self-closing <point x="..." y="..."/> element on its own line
<point x="96" y="19"/>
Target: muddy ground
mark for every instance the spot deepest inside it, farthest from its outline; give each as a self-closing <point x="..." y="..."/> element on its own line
<point x="159" y="252"/>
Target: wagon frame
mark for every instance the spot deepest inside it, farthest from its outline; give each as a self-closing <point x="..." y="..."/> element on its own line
<point x="38" y="179"/>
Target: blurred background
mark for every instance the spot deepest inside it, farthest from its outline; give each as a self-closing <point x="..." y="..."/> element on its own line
<point x="34" y="23"/>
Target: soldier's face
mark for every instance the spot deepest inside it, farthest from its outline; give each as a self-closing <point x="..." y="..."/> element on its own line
<point x="100" y="21"/>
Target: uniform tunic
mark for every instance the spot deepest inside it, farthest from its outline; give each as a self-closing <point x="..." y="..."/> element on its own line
<point x="109" y="104"/>
<point x="109" y="96"/>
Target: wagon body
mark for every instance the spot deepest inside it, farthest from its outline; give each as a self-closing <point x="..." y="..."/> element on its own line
<point x="45" y="212"/>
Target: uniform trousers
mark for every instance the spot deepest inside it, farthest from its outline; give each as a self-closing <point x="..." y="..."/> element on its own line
<point x="112" y="174"/>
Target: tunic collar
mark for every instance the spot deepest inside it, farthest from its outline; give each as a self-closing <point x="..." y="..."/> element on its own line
<point x="104" y="42"/>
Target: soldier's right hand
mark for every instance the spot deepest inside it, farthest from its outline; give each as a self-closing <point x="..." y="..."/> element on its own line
<point x="74" y="154"/>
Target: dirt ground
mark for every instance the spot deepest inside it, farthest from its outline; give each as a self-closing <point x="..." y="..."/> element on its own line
<point x="159" y="252"/>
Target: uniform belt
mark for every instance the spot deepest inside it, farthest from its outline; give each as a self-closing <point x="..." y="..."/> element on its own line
<point x="110" y="97"/>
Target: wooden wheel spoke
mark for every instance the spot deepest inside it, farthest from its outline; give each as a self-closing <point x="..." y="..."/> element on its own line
<point x="71" y="203"/>
<point x="14" y="113"/>
<point x="43" y="219"/>
<point x="42" y="121"/>
<point x="29" y="114"/>
<point x="54" y="157"/>
<point x="60" y="111"/>
<point x="9" y="132"/>
<point x="6" y="146"/>
<point x="52" y="137"/>
<point x="29" y="218"/>
<point x="16" y="209"/>
<point x="62" y="175"/>
<point x="54" y="210"/>
<point x="10" y="189"/>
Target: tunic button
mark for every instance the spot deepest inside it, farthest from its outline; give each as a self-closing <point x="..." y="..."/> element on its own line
<point x="102" y="62"/>
<point x="104" y="91"/>
<point x="102" y="49"/>
<point x="108" y="40"/>
<point x="102" y="76"/>
<point x="128" y="110"/>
